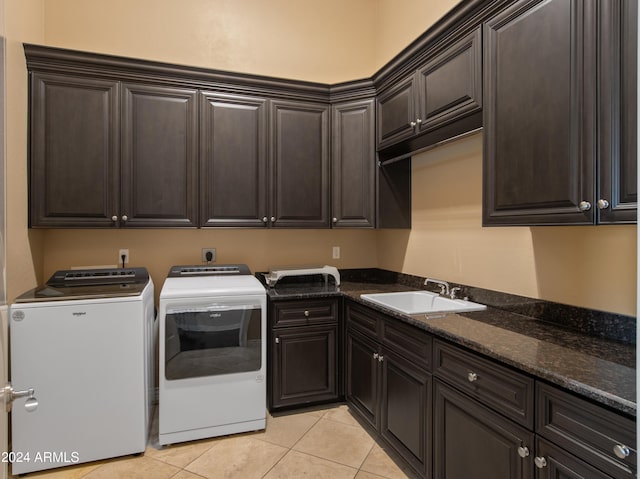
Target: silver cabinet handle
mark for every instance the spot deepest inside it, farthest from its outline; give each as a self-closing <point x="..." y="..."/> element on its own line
<point x="540" y="462"/>
<point x="114" y="218"/>
<point x="472" y="377"/>
<point x="125" y="217"/>
<point x="380" y="358"/>
<point x="413" y="123"/>
<point x="265" y="219"/>
<point x="621" y="451"/>
<point x="602" y="204"/>
<point x="335" y="220"/>
<point x="418" y="121"/>
<point x="584" y="206"/>
<point x="306" y="314"/>
<point x="277" y="340"/>
<point x="523" y="451"/>
<point x="375" y="355"/>
<point x="273" y="219"/>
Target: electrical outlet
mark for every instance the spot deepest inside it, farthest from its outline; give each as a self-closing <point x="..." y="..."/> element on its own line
<point x="125" y="253"/>
<point x="204" y="255"/>
<point x="336" y="252"/>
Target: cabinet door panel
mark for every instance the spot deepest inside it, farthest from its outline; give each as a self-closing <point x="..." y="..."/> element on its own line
<point x="395" y="111"/>
<point x="74" y="151"/>
<point x="362" y="377"/>
<point x="471" y="441"/>
<point x="300" y="163"/>
<point x="406" y="405"/>
<point x="304" y="365"/>
<point x="560" y="465"/>
<point x="451" y="83"/>
<point x="539" y="113"/>
<point x="618" y="111"/>
<point x="233" y="155"/>
<point x="353" y="162"/>
<point x="159" y="163"/>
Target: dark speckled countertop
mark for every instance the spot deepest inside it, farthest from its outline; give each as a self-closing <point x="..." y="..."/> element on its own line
<point x="596" y="368"/>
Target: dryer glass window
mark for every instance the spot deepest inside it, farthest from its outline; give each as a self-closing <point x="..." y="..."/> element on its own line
<point x="212" y="340"/>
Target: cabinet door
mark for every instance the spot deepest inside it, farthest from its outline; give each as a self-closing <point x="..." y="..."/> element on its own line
<point x="554" y="463"/>
<point x="539" y="113"/>
<point x="353" y="165"/>
<point x="396" y="113"/>
<point x="470" y="441"/>
<point x="618" y="68"/>
<point x="75" y="151"/>
<point x="451" y="83"/>
<point x="405" y="419"/>
<point x="159" y="156"/>
<point x="362" y="376"/>
<point x="304" y="365"/>
<point x="300" y="164"/>
<point x="233" y="155"/>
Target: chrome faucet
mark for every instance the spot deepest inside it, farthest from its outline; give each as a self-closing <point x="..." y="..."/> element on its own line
<point x="444" y="286"/>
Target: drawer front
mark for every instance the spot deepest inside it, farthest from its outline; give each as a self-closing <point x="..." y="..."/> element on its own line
<point x="363" y="320"/>
<point x="507" y="392"/>
<point x="304" y="312"/>
<point x="409" y="342"/>
<point x="589" y="431"/>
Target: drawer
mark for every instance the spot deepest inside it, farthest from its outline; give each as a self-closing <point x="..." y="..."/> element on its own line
<point x="588" y="431"/>
<point x="502" y="389"/>
<point x="363" y="320"/>
<point x="304" y="312"/>
<point x="410" y="342"/>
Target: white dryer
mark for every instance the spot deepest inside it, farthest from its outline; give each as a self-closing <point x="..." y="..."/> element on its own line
<point x="212" y="374"/>
<point x="84" y="343"/>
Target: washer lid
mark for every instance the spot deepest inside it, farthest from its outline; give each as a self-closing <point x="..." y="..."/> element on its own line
<point x="209" y="286"/>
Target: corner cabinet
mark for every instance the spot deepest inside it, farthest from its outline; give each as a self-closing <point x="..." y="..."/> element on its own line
<point x="353" y="164"/>
<point x="300" y="165"/>
<point x="560" y="113"/>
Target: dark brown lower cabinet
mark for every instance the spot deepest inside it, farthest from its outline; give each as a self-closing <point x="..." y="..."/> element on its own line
<point x="472" y="442"/>
<point x="553" y="463"/>
<point x="393" y="395"/>
<point x="305" y="362"/>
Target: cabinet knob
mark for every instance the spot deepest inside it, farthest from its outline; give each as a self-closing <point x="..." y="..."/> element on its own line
<point x="540" y="462"/>
<point x="472" y="377"/>
<point x="418" y="121"/>
<point x="125" y="217"/>
<point x="584" y="206"/>
<point x="523" y="451"/>
<point x="114" y="218"/>
<point x="621" y="451"/>
<point x="380" y="358"/>
<point x="306" y="314"/>
<point x="335" y="220"/>
<point x="277" y="340"/>
<point x="603" y="204"/>
<point x="375" y="355"/>
<point x="265" y="219"/>
<point x="273" y="219"/>
<point x="413" y="123"/>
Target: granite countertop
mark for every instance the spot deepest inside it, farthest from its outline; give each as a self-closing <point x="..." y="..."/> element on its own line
<point x="596" y="368"/>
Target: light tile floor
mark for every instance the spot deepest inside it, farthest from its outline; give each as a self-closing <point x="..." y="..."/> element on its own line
<point x="314" y="444"/>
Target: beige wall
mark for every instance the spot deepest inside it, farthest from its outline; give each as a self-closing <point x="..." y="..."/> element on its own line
<point x="319" y="41"/>
<point x="592" y="266"/>
<point x="25" y="23"/>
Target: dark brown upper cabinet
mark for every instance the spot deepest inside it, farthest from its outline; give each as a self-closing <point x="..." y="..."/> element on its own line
<point x="299" y="164"/>
<point x="159" y="157"/>
<point x="233" y="160"/>
<point x="557" y="142"/>
<point x="75" y="151"/>
<point x="446" y="91"/>
<point x="353" y="164"/>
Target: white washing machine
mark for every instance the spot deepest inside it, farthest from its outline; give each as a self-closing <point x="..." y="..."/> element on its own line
<point x="212" y="374"/>
<point x="84" y="343"/>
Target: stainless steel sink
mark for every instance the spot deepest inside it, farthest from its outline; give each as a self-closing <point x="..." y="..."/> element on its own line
<point x="417" y="302"/>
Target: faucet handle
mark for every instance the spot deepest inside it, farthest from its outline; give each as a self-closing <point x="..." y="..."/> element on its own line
<point x="454" y="292"/>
